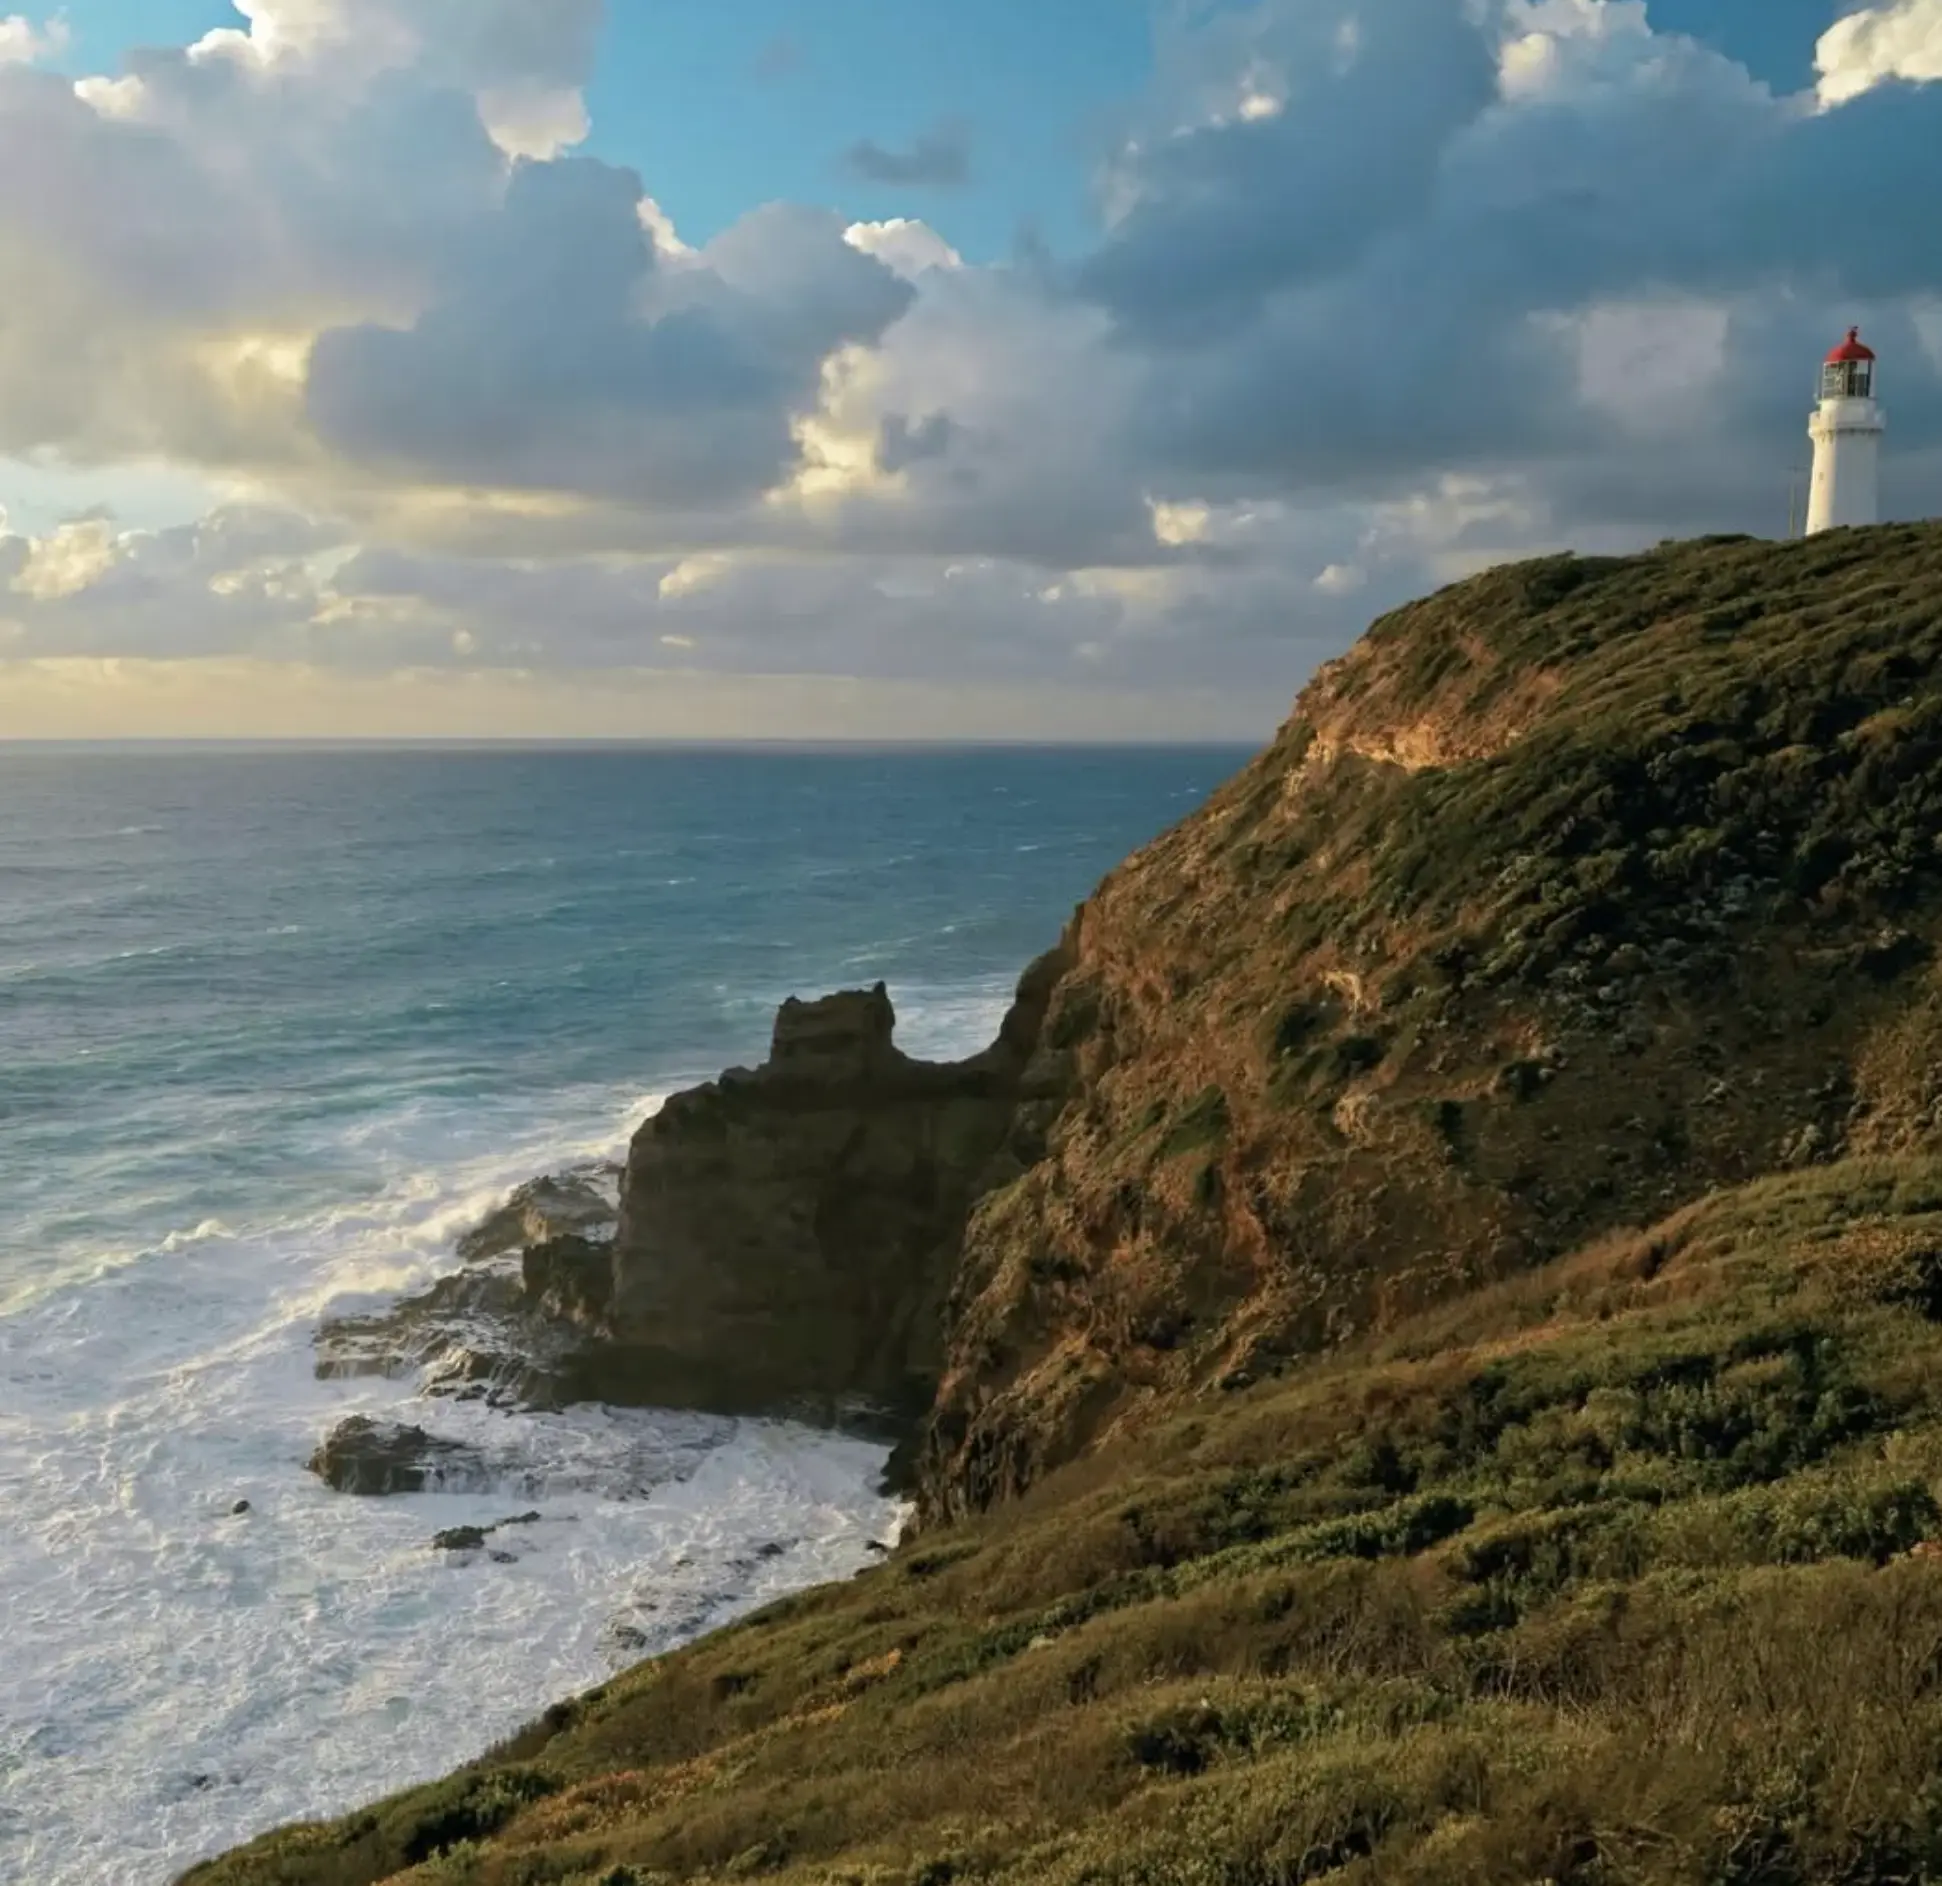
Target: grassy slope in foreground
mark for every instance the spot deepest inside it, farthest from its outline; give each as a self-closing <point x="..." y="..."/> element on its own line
<point x="1582" y="896"/>
<point x="1602" y="1574"/>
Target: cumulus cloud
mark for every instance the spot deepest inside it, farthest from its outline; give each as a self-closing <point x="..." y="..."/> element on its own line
<point x="560" y="351"/>
<point x="1902" y="40"/>
<point x="22" y="42"/>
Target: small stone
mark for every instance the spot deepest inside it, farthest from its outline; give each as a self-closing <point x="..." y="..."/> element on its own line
<point x="459" y="1539"/>
<point x="241" y="1506"/>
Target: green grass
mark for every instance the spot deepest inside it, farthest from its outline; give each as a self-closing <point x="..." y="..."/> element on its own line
<point x="1601" y="1575"/>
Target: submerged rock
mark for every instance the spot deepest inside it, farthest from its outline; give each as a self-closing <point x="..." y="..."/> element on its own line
<point x="363" y="1456"/>
<point x="471" y="1538"/>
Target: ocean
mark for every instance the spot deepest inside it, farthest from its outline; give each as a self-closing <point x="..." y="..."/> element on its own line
<point x="275" y="1026"/>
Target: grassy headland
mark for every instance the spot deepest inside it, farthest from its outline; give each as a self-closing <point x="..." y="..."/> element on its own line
<point x="1454" y="1391"/>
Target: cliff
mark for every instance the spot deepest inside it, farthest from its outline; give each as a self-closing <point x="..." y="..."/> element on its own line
<point x="1568" y="895"/>
<point x="1444" y="1382"/>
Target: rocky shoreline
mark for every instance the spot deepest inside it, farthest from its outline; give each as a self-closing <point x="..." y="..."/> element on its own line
<point x="779" y="1242"/>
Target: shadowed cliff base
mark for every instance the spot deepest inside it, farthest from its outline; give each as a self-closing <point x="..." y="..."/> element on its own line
<point x="1445" y="1390"/>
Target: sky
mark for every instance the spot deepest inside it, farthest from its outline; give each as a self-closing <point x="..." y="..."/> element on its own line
<point x="889" y="368"/>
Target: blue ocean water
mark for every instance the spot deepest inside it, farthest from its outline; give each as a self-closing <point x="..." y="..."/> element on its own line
<point x="274" y="1026"/>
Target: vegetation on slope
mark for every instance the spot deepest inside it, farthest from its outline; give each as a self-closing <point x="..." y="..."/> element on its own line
<point x="1614" y="1572"/>
<point x="1569" y="893"/>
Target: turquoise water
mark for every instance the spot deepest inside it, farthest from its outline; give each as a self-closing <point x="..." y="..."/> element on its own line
<point x="273" y="1027"/>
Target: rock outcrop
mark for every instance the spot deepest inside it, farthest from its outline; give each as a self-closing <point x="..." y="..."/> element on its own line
<point x="787" y="1234"/>
<point x="786" y="1238"/>
<point x="555" y="1205"/>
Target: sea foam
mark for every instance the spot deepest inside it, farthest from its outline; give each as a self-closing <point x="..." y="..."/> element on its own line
<point x="178" y="1675"/>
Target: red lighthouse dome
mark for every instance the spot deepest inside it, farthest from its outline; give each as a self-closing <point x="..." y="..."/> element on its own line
<point x="1849" y="371"/>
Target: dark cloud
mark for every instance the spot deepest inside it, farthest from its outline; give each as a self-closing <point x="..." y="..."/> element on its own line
<point x="560" y="354"/>
<point x="939" y="159"/>
<point x="1249" y="206"/>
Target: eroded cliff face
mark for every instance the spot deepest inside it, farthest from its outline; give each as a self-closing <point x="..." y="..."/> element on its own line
<point x="788" y="1233"/>
<point x="1568" y="895"/>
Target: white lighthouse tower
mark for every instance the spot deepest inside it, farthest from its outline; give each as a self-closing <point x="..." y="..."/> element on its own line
<point x="1846" y="429"/>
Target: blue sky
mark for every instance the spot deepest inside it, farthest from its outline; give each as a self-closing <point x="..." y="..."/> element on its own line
<point x="725" y="104"/>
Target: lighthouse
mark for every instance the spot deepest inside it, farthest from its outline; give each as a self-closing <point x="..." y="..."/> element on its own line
<point x="1846" y="430"/>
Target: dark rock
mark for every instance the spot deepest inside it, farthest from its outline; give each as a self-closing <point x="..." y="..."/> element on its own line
<point x="461" y="1538"/>
<point x="363" y="1456"/>
<point x="241" y="1506"/>
<point x="568" y="1280"/>
<point x="787" y="1237"/>
<point x="471" y="1335"/>
<point x="566" y="1204"/>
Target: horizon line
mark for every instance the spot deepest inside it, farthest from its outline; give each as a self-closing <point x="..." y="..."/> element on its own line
<point x="613" y="743"/>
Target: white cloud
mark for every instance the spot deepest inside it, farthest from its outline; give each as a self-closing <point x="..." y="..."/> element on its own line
<point x="694" y="574"/>
<point x="22" y="42"/>
<point x="68" y="560"/>
<point x="1902" y="40"/>
<point x="535" y="122"/>
<point x="905" y="244"/>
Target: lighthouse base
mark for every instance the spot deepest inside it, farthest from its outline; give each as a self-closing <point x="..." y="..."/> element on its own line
<point x="1847" y="450"/>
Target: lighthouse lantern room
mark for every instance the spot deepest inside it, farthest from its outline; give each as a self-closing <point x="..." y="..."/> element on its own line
<point x="1846" y="428"/>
